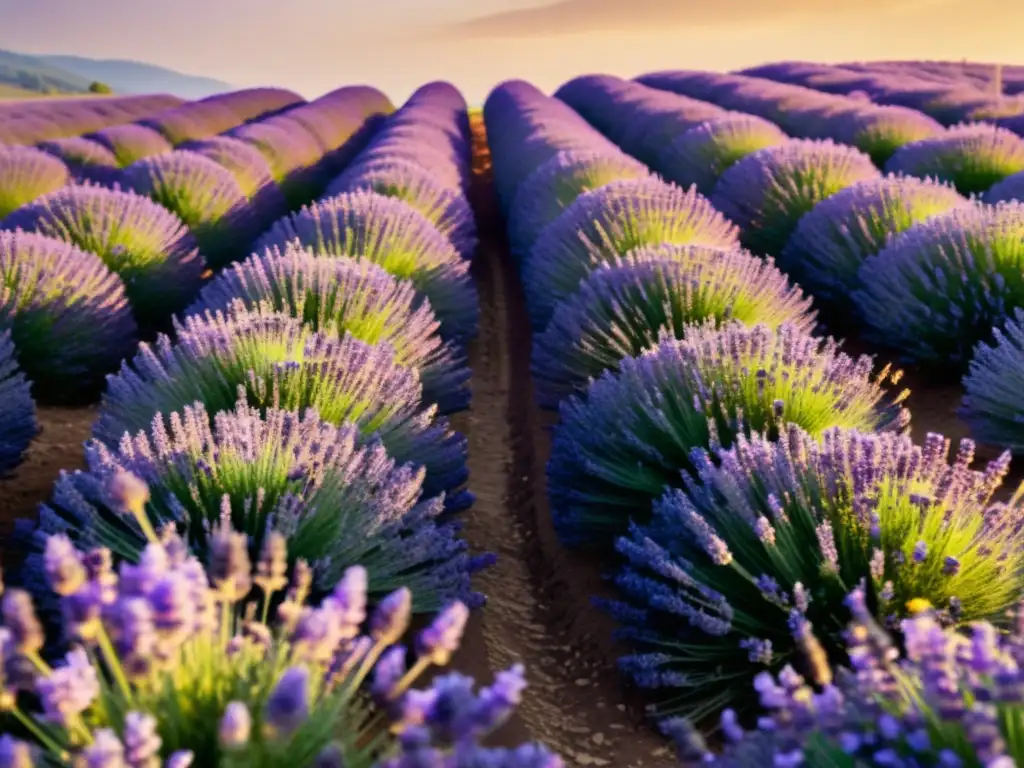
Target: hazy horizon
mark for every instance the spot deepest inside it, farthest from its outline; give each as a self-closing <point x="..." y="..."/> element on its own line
<point x="313" y="46"/>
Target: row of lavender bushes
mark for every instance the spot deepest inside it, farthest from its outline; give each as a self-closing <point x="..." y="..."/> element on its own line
<point x="949" y="102"/>
<point x="271" y="492"/>
<point x="770" y="526"/>
<point x="905" y="260"/>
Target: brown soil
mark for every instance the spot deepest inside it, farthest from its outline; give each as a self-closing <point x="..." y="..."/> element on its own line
<point x="57" y="446"/>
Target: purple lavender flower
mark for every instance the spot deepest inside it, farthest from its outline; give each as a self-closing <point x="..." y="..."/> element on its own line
<point x="66" y="313"/>
<point x="235" y="726"/>
<point x="276" y="361"/>
<point x="616" y="450"/>
<point x="677" y="593"/>
<point x="768" y="191"/>
<point x="17" y="409"/>
<point x="973" y="157"/>
<point x="15" y="753"/>
<point x="288" y="704"/>
<point x="106" y="751"/>
<point x="204" y="194"/>
<point x="449" y="211"/>
<point x="131" y="142"/>
<point x="146" y="245"/>
<point x="703" y="153"/>
<point x="939" y="288"/>
<point x="342" y="296"/>
<point x="607" y="223"/>
<point x="1009" y="189"/>
<point x="27" y="173"/>
<point x="555" y="185"/>
<point x="368" y="226"/>
<point x="833" y="240"/>
<point x="623" y="309"/>
<point x="87" y="160"/>
<point x="335" y="502"/>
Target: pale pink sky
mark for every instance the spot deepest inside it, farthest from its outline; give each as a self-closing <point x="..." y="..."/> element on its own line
<point x="315" y="45"/>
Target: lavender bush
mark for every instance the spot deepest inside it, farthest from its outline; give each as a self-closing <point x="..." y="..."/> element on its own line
<point x="275" y="361"/>
<point x="754" y="560"/>
<point x="27" y="173"/>
<point x="703" y="153"/>
<point x="131" y="142"/>
<point x="86" y="160"/>
<point x="368" y="226"/>
<point x="555" y="185"/>
<point x="342" y="296"/>
<point x="175" y="664"/>
<point x="624" y="308"/>
<point x="833" y="240"/>
<point x="971" y="156"/>
<point x="632" y="436"/>
<point x="67" y="314"/>
<point x="146" y="245"/>
<point x="940" y="287"/>
<point x="204" y="195"/>
<point x="1009" y="189"/>
<point x="601" y="225"/>
<point x="768" y="191"/>
<point x="951" y="700"/>
<point x="251" y="171"/>
<point x="17" y="409"/>
<point x="447" y="209"/>
<point x="992" y="386"/>
<point x="881" y="131"/>
<point x="336" y="498"/>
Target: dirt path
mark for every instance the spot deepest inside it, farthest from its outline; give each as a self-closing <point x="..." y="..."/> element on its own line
<point x="538" y="609"/>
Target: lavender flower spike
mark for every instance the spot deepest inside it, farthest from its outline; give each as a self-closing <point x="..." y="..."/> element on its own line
<point x="269" y="678"/>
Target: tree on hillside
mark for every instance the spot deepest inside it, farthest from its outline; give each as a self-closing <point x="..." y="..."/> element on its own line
<point x="98" y="87"/>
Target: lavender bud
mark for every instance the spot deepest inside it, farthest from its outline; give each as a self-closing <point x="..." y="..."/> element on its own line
<point x="287" y="706"/>
<point x="235" y="726"/>
<point x="441" y="639"/>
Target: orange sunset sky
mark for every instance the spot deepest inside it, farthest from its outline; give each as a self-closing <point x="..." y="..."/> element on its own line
<point x="315" y="45"/>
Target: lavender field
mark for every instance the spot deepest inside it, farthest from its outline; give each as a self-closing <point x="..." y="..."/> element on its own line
<point x="650" y="423"/>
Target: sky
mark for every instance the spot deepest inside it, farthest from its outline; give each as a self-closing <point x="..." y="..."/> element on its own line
<point x="313" y="46"/>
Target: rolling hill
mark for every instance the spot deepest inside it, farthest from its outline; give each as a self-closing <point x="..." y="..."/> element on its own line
<point x="57" y="74"/>
<point x="126" y="76"/>
<point x="29" y="73"/>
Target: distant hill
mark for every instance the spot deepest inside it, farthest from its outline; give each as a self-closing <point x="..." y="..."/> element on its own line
<point x="29" y="73"/>
<point x="136" y="77"/>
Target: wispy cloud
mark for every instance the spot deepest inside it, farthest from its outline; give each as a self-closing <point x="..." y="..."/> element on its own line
<point x="582" y="16"/>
